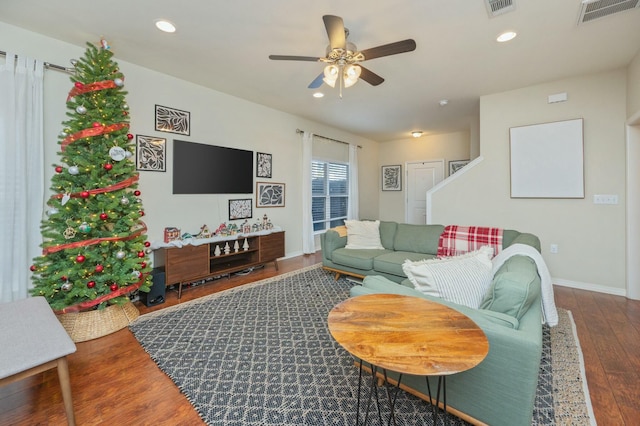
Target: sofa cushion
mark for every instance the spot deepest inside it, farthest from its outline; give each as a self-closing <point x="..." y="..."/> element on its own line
<point x="391" y="263"/>
<point x="514" y="288"/>
<point x="417" y="238"/>
<point x="460" y="279"/>
<point x="356" y="258"/>
<point x="387" y="233"/>
<point x="363" y="234"/>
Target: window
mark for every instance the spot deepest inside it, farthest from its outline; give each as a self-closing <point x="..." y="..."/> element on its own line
<point x="330" y="194"/>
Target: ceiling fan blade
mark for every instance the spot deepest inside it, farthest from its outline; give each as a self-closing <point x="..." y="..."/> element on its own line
<point x="317" y="82"/>
<point x="335" y="31"/>
<point x="370" y="77"/>
<point x="294" y="58"/>
<point x="389" y="49"/>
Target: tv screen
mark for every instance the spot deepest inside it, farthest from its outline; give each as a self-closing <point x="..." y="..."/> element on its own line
<point x="209" y="169"/>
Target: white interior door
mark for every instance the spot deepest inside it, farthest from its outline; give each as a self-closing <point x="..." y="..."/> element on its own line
<point x="421" y="177"/>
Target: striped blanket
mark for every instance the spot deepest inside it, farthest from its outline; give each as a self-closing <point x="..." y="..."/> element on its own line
<point x="456" y="240"/>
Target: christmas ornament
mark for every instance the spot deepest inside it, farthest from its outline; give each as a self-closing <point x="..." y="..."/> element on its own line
<point x="129" y="136"/>
<point x="65" y="199"/>
<point x="64" y="278"/>
<point x="69" y="233"/>
<point x="91" y="284"/>
<point x="104" y="44"/>
<point x="108" y="166"/>
<point x="84" y="228"/>
<point x="113" y="287"/>
<point x="73" y="170"/>
<point x="33" y="268"/>
<point x="125" y="106"/>
<point x="59" y="169"/>
<point x="52" y="211"/>
<point x="117" y="154"/>
<point x="120" y="254"/>
<point x="124" y="200"/>
<point x="85" y="194"/>
<point x="148" y="251"/>
<point x="99" y="268"/>
<point x="78" y="85"/>
<point x="143" y="264"/>
<point x="97" y="124"/>
<point x="118" y="82"/>
<point x="80" y="258"/>
<point x="63" y="134"/>
<point x="141" y="213"/>
<point x="104" y="216"/>
<point x="140" y="254"/>
<point x="147" y="244"/>
<point x="67" y="286"/>
<point x="136" y="274"/>
<point x="81" y="109"/>
<point x="136" y="193"/>
<point x="128" y="154"/>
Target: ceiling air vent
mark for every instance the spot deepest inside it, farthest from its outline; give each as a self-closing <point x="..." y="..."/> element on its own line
<point x="498" y="7"/>
<point x="594" y="9"/>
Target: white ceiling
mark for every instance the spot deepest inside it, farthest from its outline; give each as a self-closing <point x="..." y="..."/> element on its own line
<point x="225" y="45"/>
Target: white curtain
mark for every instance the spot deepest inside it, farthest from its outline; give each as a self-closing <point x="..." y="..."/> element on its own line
<point x="308" y="240"/>
<point x="352" y="208"/>
<point x="21" y="172"/>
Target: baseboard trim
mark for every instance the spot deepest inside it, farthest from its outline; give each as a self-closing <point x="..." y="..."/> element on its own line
<point x="590" y="287"/>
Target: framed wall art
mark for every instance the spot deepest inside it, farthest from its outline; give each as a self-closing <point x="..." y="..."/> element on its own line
<point x="151" y="153"/>
<point x="456" y="165"/>
<point x="263" y="165"/>
<point x="392" y="178"/>
<point x="240" y="209"/>
<point x="547" y="160"/>
<point x="269" y="194"/>
<point x="173" y="120"/>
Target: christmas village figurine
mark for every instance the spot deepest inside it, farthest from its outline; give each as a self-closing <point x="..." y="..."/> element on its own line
<point x="171" y="234"/>
<point x="221" y="231"/>
<point x="204" y="232"/>
<point x="246" y="227"/>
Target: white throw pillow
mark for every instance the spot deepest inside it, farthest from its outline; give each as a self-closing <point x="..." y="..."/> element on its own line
<point x="461" y="279"/>
<point x="363" y="234"/>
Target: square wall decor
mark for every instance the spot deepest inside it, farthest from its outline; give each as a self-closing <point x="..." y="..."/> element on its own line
<point x="173" y="120"/>
<point x="263" y="165"/>
<point x="240" y="209"/>
<point x="392" y="178"/>
<point x="151" y="153"/>
<point x="269" y="194"/>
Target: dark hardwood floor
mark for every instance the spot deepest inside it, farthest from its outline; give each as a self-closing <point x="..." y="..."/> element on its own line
<point x="114" y="382"/>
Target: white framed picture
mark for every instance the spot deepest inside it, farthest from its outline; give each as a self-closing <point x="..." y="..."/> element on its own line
<point x="269" y="194"/>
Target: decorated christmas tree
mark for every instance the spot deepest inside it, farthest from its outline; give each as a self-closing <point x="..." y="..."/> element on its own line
<point x="94" y="249"/>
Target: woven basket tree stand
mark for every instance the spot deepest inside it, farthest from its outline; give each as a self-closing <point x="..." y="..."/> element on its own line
<point x="89" y="325"/>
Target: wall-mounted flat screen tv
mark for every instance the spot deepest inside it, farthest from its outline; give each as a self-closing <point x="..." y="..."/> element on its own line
<point x="208" y="169"/>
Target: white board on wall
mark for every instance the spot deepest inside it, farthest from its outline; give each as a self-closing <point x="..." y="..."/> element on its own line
<point x="547" y="160"/>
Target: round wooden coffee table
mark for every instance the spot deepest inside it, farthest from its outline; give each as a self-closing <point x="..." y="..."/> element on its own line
<point x="408" y="335"/>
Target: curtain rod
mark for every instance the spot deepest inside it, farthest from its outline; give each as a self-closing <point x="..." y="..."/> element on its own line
<point x="49" y="65"/>
<point x="329" y="139"/>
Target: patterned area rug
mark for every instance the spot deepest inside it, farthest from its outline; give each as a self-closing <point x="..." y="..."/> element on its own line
<point x="261" y="354"/>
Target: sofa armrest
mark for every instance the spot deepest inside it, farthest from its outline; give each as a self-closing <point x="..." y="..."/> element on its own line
<point x="528" y="239"/>
<point x="330" y="241"/>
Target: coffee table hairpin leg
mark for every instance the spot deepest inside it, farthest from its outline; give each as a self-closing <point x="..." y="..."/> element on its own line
<point x="374" y="389"/>
<point x="442" y="383"/>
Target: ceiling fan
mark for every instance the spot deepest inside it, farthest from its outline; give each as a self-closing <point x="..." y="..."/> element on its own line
<point x="343" y="58"/>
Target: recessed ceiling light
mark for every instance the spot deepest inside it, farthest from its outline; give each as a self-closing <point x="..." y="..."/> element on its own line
<point x="444" y="102"/>
<point x="416" y="133"/>
<point x="506" y="36"/>
<point x="318" y="95"/>
<point x="166" y="26"/>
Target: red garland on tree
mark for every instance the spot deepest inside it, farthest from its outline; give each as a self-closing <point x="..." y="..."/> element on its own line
<point x="93" y="238"/>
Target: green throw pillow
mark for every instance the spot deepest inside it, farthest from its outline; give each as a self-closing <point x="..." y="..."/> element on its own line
<point x="512" y="293"/>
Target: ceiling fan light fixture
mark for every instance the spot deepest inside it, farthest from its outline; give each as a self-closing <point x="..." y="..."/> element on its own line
<point x="416" y="133"/>
<point x="318" y="95"/>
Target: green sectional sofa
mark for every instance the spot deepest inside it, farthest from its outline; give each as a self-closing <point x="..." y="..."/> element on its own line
<point x="501" y="389"/>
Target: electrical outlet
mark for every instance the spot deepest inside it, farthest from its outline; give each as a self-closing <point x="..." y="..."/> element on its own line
<point x="554" y="248"/>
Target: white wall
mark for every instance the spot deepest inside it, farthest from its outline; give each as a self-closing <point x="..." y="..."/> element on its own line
<point x="217" y="119"/>
<point x="449" y="146"/>
<point x="591" y="238"/>
<point x="633" y="86"/>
